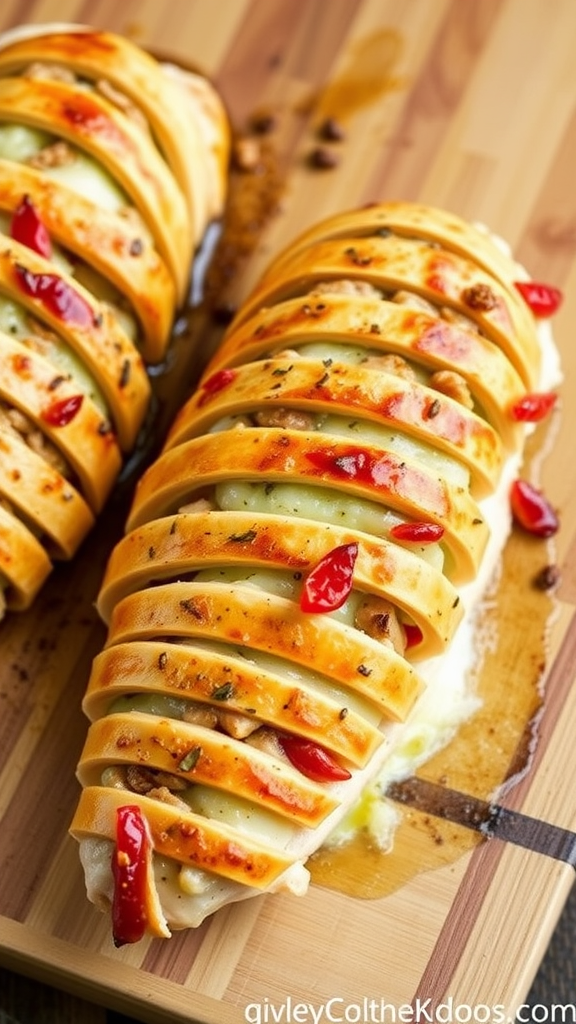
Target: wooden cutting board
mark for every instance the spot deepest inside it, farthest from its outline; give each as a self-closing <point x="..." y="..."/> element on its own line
<point x="466" y="104"/>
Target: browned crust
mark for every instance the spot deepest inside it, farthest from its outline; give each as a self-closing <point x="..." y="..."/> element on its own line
<point x="101" y="345"/>
<point x="416" y="220"/>
<point x="23" y="562"/>
<point x="137" y="75"/>
<point x="43" y="497"/>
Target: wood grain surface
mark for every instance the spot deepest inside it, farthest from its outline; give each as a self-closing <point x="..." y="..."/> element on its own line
<point x="467" y="104"/>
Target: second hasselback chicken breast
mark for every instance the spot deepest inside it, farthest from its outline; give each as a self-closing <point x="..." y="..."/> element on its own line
<point x="111" y="167"/>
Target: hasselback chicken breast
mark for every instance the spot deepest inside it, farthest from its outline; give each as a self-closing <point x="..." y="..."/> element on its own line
<point x="301" y="559"/>
<point x="111" y="167"/>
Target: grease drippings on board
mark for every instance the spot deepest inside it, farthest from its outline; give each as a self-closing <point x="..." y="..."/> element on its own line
<point x="491" y="751"/>
<point x="255" y="190"/>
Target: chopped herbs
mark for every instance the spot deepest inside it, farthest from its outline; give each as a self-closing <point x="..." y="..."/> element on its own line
<point x="243" y="538"/>
<point x="224" y="692"/>
<point x="190" y="760"/>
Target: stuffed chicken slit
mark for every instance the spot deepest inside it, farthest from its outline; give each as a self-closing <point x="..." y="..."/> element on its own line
<point x="359" y="470"/>
<point x="367" y="329"/>
<point x="452" y="265"/>
<point x="191" y="678"/>
<point x="284" y="395"/>
<point x="303" y="555"/>
<point x="112" y="166"/>
<point x="91" y="332"/>
<point x="189" y="753"/>
<point x="182" y="545"/>
<point x="386" y="271"/>
<point x="353" y="659"/>
<point x="192" y="838"/>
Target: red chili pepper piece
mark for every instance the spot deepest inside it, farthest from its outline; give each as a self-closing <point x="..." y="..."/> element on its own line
<point x="312" y="760"/>
<point x="532" y="510"/>
<point x="413" y="634"/>
<point x="129" y="867"/>
<point x="328" y="585"/>
<point x="62" y="412"/>
<point x="533" y="407"/>
<point x="29" y="230"/>
<point x="543" y="299"/>
<point x="419" y="533"/>
<point x="217" y="382"/>
<point x="57" y="296"/>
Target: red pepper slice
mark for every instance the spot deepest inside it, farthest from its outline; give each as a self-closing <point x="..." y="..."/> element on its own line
<point x="57" y="296"/>
<point x="314" y="761"/>
<point x="328" y="585"/>
<point x="129" y="867"/>
<point x="28" y="229"/>
<point x="533" y="407"/>
<point x="217" y="382"/>
<point x="419" y="533"/>
<point x="62" y="412"/>
<point x="532" y="510"/>
<point x="413" y="634"/>
<point x="543" y="299"/>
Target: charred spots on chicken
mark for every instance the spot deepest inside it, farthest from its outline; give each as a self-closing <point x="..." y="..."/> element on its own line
<point x="357" y="258"/>
<point x="190" y="606"/>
